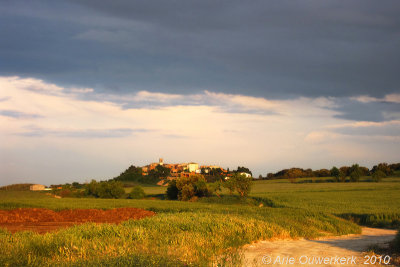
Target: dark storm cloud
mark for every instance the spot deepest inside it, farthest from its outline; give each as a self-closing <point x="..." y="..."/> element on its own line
<point x="273" y="49"/>
<point x="376" y="111"/>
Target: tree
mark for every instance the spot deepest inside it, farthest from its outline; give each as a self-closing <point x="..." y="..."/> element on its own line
<point x="229" y="184"/>
<point x="383" y="167"/>
<point x="395" y="166"/>
<point x="112" y="189"/>
<point x="342" y="175"/>
<point x="335" y="173"/>
<point x="215" y="188"/>
<point x="186" y="192"/>
<point x="131" y="174"/>
<point x="364" y="171"/>
<point x="240" y="183"/>
<point x="243" y="169"/>
<point x="355" y="173"/>
<point x="137" y="193"/>
<point x="158" y="172"/>
<point x="378" y="175"/>
<point x="92" y="188"/>
<point x="190" y="187"/>
<point x="216" y="172"/>
<point x="243" y="184"/>
<point x="322" y="173"/>
<point x="345" y="170"/>
<point x="172" y="190"/>
<point x="77" y="185"/>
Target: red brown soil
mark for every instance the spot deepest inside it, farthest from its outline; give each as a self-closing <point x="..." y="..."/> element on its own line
<point x="45" y="220"/>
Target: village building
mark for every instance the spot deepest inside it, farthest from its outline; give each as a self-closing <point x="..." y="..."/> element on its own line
<point x="37" y="187"/>
<point x="192" y="167"/>
<point x="248" y="175"/>
<point x="182" y="169"/>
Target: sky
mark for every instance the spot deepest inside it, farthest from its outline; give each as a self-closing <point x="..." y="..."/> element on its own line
<point x="88" y="88"/>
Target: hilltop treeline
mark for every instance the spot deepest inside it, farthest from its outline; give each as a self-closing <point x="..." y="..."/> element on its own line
<point x="386" y="169"/>
<point x="135" y="174"/>
<point x="16" y="187"/>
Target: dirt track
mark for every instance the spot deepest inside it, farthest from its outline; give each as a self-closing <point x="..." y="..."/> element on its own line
<point x="45" y="220"/>
<point x="303" y="250"/>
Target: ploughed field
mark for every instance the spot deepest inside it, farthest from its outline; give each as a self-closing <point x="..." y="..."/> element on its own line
<point x="45" y="220"/>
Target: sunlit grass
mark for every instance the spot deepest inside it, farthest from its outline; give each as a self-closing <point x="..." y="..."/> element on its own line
<point x="198" y="233"/>
<point x="193" y="237"/>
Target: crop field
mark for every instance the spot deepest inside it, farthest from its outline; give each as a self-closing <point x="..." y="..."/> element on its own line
<point x="372" y="204"/>
<point x="209" y="231"/>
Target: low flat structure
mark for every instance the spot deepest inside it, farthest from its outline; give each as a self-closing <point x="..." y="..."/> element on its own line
<point x="37" y="187"/>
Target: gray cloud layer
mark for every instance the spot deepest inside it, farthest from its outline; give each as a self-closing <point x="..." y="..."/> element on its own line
<point x="374" y="111"/>
<point x="272" y="49"/>
<point x="18" y="114"/>
<point x="86" y="133"/>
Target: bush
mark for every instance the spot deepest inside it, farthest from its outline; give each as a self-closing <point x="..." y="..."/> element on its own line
<point x="111" y="189"/>
<point x="92" y="188"/>
<point x="335" y="173"/>
<point x="215" y="188"/>
<point x="187" y="192"/>
<point x="172" y="190"/>
<point x="378" y="175"/>
<point x="229" y="184"/>
<point x="65" y="193"/>
<point x="355" y="173"/>
<point x="188" y="188"/>
<point x="137" y="193"/>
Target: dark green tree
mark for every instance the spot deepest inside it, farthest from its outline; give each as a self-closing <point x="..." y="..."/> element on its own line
<point x="137" y="193"/>
<point x="355" y="173"/>
<point x="383" y="167"/>
<point x="112" y="189"/>
<point x="335" y="173"/>
<point x="188" y="188"/>
<point x="132" y="174"/>
<point x="243" y="169"/>
<point x="172" y="190"/>
<point x="229" y="184"/>
<point x="91" y="189"/>
<point x="378" y="175"/>
<point x="159" y="172"/>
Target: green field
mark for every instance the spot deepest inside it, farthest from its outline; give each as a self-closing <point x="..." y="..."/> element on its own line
<point x="200" y="233"/>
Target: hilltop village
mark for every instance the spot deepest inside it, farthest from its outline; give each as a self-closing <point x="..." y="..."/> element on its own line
<point x="184" y="169"/>
<point x="175" y="170"/>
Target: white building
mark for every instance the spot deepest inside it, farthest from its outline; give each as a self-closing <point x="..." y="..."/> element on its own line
<point x="248" y="175"/>
<point x="192" y="167"/>
<point x="37" y="187"/>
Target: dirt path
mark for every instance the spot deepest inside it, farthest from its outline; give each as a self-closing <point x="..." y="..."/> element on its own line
<point x="332" y="250"/>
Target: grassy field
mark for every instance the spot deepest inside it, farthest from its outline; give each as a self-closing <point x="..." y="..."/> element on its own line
<point x="367" y="203"/>
<point x="372" y="204"/>
<point x="199" y="233"/>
